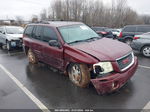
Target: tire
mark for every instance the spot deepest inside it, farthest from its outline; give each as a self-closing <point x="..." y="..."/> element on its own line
<point x="31" y="57"/>
<point x="79" y="74"/>
<point x="146" y="51"/>
<point x="128" y="41"/>
<point x="8" y="46"/>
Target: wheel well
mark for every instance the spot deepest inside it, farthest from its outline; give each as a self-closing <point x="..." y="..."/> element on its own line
<point x="129" y="38"/>
<point x="144" y="46"/>
<point x="71" y="63"/>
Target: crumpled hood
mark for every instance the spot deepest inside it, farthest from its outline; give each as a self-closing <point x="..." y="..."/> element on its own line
<point x="14" y="36"/>
<point x="104" y="49"/>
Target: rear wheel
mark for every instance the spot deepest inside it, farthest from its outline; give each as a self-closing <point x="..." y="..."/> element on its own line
<point x="146" y="51"/>
<point x="31" y="57"/>
<point x="79" y="74"/>
<point x="128" y="41"/>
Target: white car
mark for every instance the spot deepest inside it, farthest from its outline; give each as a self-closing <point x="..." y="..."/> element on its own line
<point x="11" y="36"/>
<point x="116" y="32"/>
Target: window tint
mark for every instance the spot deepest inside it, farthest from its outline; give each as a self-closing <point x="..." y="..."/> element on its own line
<point x="29" y="30"/>
<point x="143" y="29"/>
<point x="129" y="29"/>
<point x="49" y="34"/>
<point x="37" y="32"/>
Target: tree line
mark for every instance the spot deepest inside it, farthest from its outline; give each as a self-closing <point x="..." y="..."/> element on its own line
<point x="94" y="13"/>
<point x="116" y="14"/>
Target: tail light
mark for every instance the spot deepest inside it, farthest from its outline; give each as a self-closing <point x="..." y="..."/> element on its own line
<point x="135" y="38"/>
<point x="120" y="34"/>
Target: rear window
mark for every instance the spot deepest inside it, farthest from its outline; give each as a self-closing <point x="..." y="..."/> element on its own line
<point x="143" y="29"/>
<point x="28" y="31"/>
<point x="129" y="29"/>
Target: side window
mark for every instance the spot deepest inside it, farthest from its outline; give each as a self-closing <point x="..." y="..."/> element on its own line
<point x="37" y="32"/>
<point x="129" y="29"/>
<point x="49" y="34"/>
<point x="28" y="31"/>
<point x="143" y="29"/>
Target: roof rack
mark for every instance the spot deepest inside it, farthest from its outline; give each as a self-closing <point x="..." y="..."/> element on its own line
<point x="47" y="21"/>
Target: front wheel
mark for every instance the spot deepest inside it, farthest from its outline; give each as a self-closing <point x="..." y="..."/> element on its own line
<point x="79" y="74"/>
<point x="146" y="51"/>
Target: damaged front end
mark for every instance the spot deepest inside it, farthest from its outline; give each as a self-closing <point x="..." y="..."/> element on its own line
<point x="111" y="76"/>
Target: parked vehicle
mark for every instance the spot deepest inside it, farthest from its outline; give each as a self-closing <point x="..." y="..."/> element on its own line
<point x="75" y="49"/>
<point x="130" y="31"/>
<point x="116" y="32"/>
<point x="11" y="36"/>
<point x="141" y="43"/>
<point x="103" y="31"/>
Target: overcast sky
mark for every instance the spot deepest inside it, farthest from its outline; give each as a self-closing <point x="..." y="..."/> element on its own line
<point x="26" y="8"/>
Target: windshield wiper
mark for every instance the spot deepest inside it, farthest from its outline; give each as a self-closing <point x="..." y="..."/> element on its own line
<point x="92" y="38"/>
<point x="77" y="41"/>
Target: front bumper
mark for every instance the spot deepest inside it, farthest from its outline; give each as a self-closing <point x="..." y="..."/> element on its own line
<point x="114" y="81"/>
<point x="16" y="43"/>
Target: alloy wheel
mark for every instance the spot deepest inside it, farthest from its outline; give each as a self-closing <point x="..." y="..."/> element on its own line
<point x="146" y="51"/>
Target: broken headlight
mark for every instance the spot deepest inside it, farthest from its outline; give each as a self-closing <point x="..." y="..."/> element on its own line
<point x="103" y="68"/>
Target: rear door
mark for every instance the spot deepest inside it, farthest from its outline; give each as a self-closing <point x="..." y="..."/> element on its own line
<point x="52" y="55"/>
<point x="36" y="43"/>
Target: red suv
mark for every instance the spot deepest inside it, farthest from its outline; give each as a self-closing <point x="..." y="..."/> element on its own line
<point x="79" y="52"/>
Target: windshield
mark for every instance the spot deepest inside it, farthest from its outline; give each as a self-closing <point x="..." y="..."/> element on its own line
<point x="77" y="33"/>
<point x="14" y="30"/>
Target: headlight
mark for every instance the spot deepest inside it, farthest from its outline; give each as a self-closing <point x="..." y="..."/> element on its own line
<point x="103" y="67"/>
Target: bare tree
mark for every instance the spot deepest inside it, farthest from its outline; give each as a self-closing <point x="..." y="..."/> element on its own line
<point x="34" y="18"/>
<point x="43" y="15"/>
<point x="19" y="20"/>
<point x="95" y="13"/>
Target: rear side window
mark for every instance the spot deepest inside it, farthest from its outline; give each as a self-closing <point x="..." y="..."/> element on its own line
<point x="129" y="29"/>
<point x="28" y="31"/>
<point x="37" y="32"/>
<point x="49" y="34"/>
<point x="143" y="29"/>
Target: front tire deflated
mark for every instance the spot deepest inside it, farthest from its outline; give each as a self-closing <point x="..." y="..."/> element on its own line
<point x="79" y="74"/>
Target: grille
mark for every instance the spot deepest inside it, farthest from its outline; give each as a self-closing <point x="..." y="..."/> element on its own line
<point x="18" y="42"/>
<point x="125" y="62"/>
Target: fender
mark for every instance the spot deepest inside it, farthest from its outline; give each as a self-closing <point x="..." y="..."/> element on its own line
<point x="72" y="55"/>
<point x="128" y="37"/>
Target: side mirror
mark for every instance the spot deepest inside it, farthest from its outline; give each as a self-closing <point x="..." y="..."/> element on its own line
<point x="54" y="43"/>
